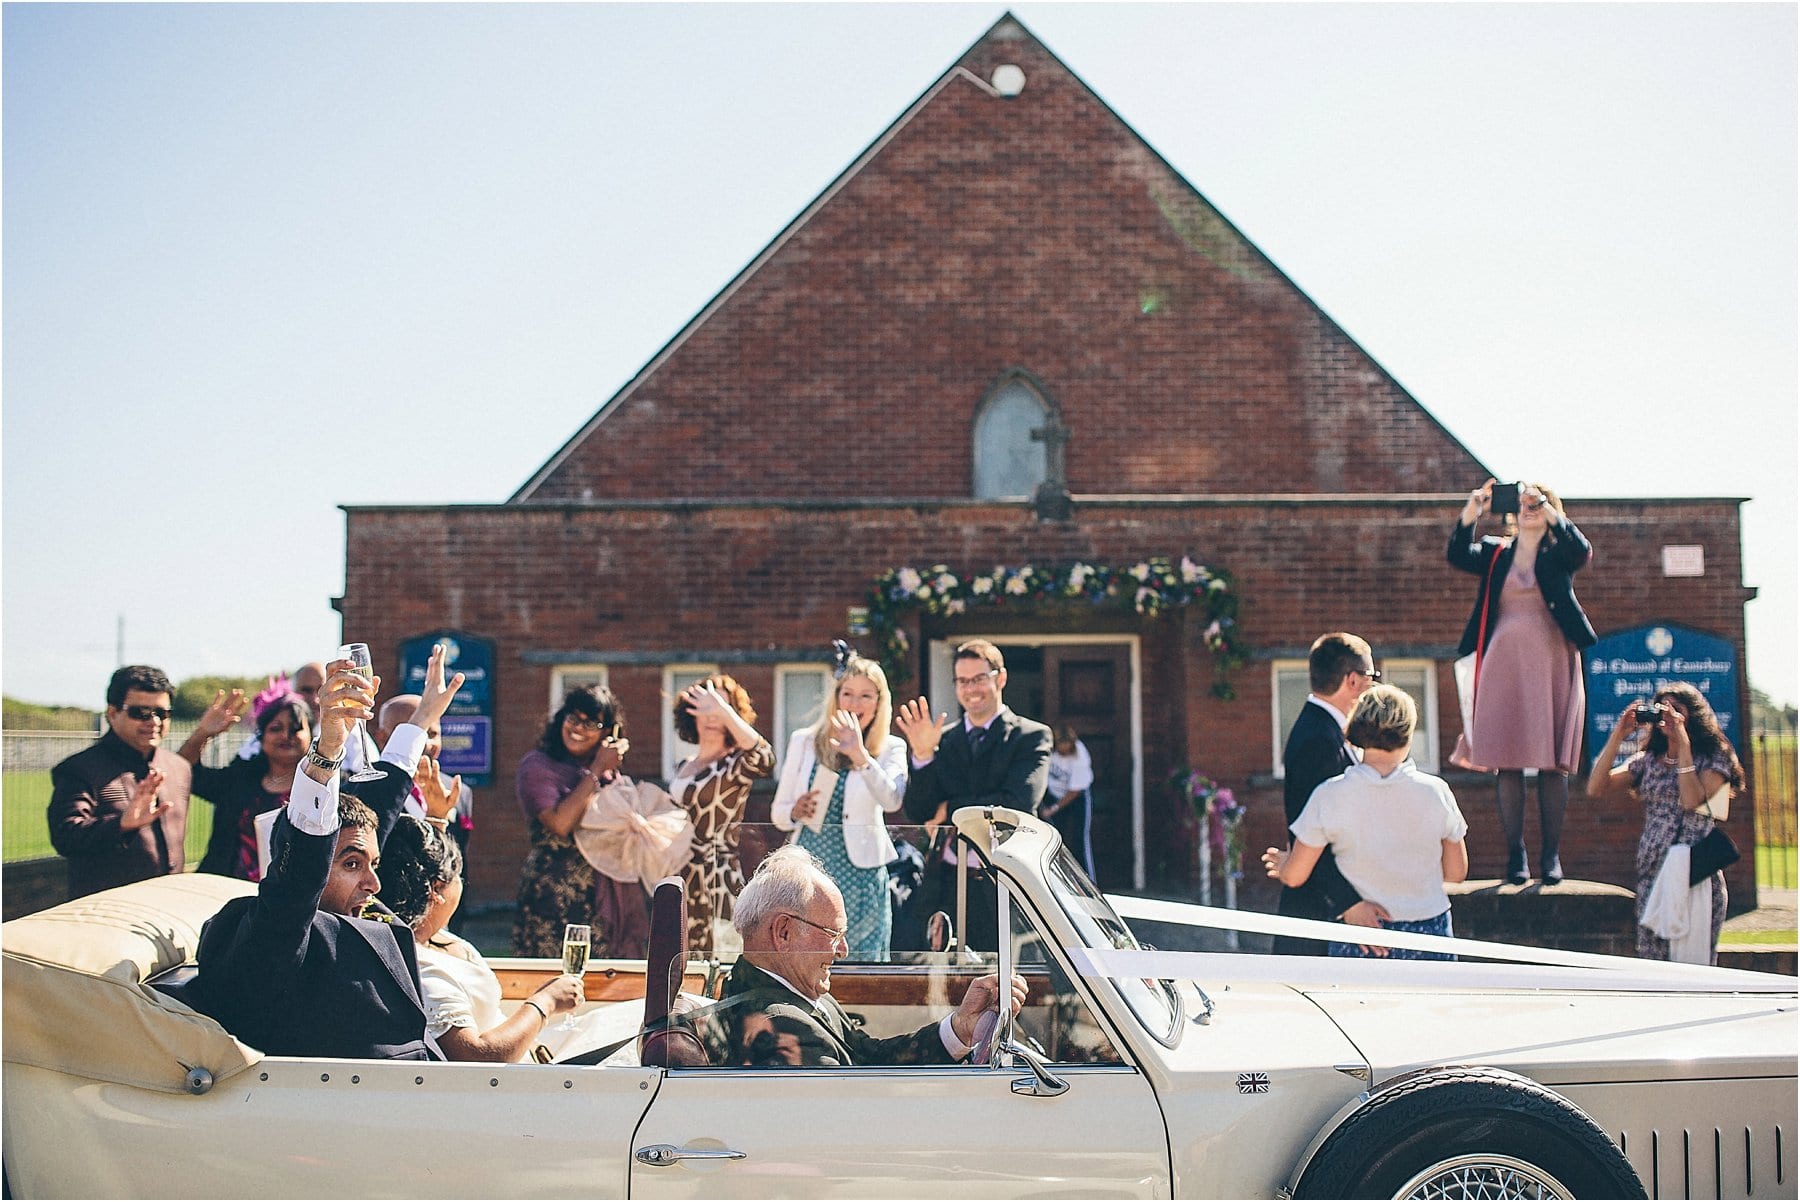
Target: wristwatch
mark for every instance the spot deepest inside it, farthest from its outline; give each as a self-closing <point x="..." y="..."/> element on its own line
<point x="320" y="762"/>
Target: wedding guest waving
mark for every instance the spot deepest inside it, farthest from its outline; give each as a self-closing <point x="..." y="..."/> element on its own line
<point x="244" y="789"/>
<point x="712" y="786"/>
<point x="839" y="777"/>
<point x="1396" y="832"/>
<point x="578" y="751"/>
<point x="1527" y="633"/>
<point x="1684" y="763"/>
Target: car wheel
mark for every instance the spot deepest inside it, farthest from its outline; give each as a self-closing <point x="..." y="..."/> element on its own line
<point x="1468" y="1133"/>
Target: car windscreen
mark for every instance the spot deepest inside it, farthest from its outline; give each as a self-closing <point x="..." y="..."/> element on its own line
<point x="1155" y="1002"/>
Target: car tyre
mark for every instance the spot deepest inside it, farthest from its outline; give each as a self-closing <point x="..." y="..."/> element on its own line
<point x="1468" y="1133"/>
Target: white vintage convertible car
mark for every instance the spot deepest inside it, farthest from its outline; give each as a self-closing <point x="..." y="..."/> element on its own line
<point x="1130" y="1072"/>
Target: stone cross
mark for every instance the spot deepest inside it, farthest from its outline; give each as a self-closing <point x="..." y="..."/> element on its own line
<point x="1052" y="502"/>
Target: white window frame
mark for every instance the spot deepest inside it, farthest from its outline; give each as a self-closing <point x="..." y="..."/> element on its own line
<point x="559" y="685"/>
<point x="780" y="731"/>
<point x="1425" y="748"/>
<point x="673" y="749"/>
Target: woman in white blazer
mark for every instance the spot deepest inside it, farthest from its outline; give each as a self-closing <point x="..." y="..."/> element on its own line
<point x="838" y="779"/>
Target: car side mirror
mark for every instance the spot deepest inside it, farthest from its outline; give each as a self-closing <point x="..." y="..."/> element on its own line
<point x="940" y="933"/>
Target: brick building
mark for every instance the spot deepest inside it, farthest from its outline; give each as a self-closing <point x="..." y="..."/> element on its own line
<point x="1008" y="333"/>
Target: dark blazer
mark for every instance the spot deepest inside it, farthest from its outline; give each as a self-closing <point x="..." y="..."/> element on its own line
<point x="292" y="980"/>
<point x="1557" y="562"/>
<point x="826" y="1033"/>
<point x="89" y="793"/>
<point x="1012" y="769"/>
<point x="1315" y="752"/>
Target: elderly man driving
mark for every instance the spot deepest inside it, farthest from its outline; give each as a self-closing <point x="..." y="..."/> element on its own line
<point x="791" y="918"/>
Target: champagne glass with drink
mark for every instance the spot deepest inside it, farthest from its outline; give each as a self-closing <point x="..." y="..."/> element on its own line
<point x="576" y="939"/>
<point x="364" y="665"/>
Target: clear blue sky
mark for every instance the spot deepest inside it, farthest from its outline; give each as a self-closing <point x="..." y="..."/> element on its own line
<point x="260" y="261"/>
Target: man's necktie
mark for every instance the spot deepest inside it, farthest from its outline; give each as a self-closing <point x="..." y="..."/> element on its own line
<point x="977" y="735"/>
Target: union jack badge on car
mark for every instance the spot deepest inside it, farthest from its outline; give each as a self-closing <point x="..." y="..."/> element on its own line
<point x="1253" y="1083"/>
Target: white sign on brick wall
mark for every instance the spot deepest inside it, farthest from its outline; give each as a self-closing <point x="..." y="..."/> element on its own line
<point x="1684" y="559"/>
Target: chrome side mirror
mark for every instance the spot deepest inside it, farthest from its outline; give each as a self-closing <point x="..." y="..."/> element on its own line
<point x="940" y="933"/>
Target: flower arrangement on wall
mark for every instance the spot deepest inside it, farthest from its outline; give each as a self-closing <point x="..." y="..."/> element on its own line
<point x="1149" y="587"/>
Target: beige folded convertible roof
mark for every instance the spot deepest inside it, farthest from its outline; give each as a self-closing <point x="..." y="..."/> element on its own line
<point x="75" y="995"/>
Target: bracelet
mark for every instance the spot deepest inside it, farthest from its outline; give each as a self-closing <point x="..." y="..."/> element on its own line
<point x="1689" y="768"/>
<point x="533" y="1003"/>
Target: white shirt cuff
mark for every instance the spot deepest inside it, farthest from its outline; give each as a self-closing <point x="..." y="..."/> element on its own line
<point x="918" y="763"/>
<point x="405" y="746"/>
<point x="313" y="807"/>
<point x="947" y="1032"/>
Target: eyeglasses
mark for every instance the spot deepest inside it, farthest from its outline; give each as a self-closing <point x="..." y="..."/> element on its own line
<point x="1532" y="504"/>
<point x="1372" y="673"/>
<point x="581" y="723"/>
<point x="143" y="713"/>
<point x="837" y="936"/>
<point x="969" y="682"/>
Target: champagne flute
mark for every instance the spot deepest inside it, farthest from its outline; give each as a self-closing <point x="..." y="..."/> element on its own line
<point x="576" y="939"/>
<point x="364" y="664"/>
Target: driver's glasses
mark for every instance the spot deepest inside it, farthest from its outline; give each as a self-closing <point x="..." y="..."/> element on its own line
<point x="837" y="936"/>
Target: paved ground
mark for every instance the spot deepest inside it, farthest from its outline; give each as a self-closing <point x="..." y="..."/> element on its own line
<point x="1776" y="911"/>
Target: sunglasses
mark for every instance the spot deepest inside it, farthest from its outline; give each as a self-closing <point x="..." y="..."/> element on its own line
<point x="143" y="713"/>
<point x="1371" y="673"/>
<point x="581" y="723"/>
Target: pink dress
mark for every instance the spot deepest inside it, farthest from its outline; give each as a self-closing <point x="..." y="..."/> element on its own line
<point x="1529" y="700"/>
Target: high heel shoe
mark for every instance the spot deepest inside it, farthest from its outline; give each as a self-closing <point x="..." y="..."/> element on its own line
<point x="1553" y="870"/>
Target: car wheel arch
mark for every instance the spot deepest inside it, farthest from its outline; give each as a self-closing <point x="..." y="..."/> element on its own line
<point x="1339" y="1161"/>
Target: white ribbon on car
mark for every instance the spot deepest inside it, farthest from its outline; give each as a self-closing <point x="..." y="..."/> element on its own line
<point x="1524" y="967"/>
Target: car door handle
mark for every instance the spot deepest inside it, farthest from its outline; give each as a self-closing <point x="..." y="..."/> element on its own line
<point x="663" y="1155"/>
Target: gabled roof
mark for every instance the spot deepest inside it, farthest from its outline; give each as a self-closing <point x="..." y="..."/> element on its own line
<point x="979" y="234"/>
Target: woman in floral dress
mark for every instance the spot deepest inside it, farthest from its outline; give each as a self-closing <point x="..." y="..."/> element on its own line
<point x="1684" y="763"/>
<point x="866" y="765"/>
<point x="716" y="715"/>
<point x="578" y="752"/>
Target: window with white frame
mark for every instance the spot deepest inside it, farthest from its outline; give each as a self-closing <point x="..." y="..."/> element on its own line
<point x="800" y="694"/>
<point x="676" y="678"/>
<point x="1008" y="461"/>
<point x="1416" y="677"/>
<point x="564" y="677"/>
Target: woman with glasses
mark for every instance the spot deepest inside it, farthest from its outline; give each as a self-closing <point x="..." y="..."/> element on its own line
<point x="579" y="750"/>
<point x="1527" y="633"/>
<point x="840" y="776"/>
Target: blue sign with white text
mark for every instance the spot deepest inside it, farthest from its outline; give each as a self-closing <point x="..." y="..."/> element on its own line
<point x="1633" y="664"/>
<point x="468" y="748"/>
<point x="469" y="725"/>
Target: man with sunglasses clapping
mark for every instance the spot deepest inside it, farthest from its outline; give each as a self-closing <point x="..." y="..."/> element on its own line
<point x="118" y="810"/>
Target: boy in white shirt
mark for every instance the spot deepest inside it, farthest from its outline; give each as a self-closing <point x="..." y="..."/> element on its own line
<point x="1396" y="832"/>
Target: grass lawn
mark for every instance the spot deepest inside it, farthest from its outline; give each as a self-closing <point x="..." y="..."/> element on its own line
<point x="1742" y="938"/>
<point x="26" y="836"/>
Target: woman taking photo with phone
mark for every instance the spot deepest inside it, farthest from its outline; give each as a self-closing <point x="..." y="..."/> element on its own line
<point x="1527" y="633"/>
<point x="1684" y="763"/>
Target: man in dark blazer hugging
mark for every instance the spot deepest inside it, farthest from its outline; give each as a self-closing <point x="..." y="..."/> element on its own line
<point x="296" y="970"/>
<point x="1340" y="669"/>
<point x="992" y="757"/>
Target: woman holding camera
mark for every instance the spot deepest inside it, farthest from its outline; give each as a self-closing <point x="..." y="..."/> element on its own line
<point x="1527" y="633"/>
<point x="1685" y="762"/>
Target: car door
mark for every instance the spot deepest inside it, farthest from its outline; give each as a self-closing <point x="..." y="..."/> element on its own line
<point x="946" y="1131"/>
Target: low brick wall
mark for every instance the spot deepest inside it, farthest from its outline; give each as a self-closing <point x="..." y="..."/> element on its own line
<point x="1575" y="916"/>
<point x="27" y="886"/>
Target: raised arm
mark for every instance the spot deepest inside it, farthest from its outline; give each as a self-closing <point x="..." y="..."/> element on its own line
<point x="224" y="713"/>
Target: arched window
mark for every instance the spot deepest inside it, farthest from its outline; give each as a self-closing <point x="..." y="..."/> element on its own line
<point x="1009" y="462"/>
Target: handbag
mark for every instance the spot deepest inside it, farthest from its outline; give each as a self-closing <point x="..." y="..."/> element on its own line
<point x="1711" y="854"/>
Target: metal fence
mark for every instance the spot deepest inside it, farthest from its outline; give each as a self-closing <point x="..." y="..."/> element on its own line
<point x="26" y="757"/>
<point x="1772" y="769"/>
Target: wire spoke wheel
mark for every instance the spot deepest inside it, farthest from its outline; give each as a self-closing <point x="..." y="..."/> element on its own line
<point x="1483" y="1176"/>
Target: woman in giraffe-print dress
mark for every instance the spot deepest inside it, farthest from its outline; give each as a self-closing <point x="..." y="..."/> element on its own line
<point x="712" y="787"/>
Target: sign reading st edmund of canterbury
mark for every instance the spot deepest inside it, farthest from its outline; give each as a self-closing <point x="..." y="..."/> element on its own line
<point x="1635" y="663"/>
